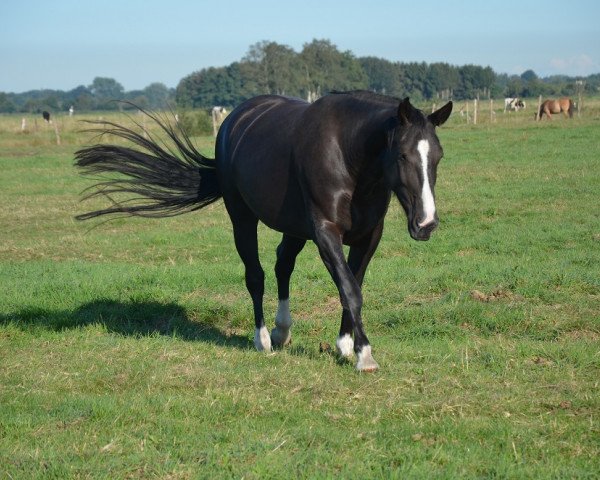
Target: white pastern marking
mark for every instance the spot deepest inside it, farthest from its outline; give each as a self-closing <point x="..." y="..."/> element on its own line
<point x="280" y="335"/>
<point x="262" y="339"/>
<point x="426" y="195"/>
<point x="366" y="362"/>
<point x="283" y="318"/>
<point x="345" y="345"/>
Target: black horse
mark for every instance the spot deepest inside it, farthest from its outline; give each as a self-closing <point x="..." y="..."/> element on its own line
<point x="323" y="172"/>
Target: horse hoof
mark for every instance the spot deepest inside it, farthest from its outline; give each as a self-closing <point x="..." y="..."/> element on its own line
<point x="345" y="346"/>
<point x="366" y="362"/>
<point x="262" y="340"/>
<point x="280" y="337"/>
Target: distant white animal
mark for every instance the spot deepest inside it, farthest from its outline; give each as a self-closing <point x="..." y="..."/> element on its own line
<point x="218" y="115"/>
<point x="219" y="111"/>
<point x="513" y="104"/>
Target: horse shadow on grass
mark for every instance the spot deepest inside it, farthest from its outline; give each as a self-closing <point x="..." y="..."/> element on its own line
<point x="134" y="318"/>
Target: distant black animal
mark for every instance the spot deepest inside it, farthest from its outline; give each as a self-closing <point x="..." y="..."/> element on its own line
<point x="323" y="172"/>
<point x="46" y="115"/>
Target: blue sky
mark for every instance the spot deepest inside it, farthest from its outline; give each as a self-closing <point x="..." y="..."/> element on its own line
<point x="61" y="44"/>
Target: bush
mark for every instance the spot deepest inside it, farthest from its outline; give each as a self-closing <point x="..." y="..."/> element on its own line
<point x="196" y="122"/>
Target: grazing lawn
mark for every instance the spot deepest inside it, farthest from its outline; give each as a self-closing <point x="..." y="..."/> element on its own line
<point x="126" y="347"/>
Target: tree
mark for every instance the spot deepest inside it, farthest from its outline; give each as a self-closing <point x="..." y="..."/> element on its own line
<point x="443" y="79"/>
<point x="80" y="97"/>
<point x="383" y="76"/>
<point x="274" y="68"/>
<point x="6" y="106"/>
<point x="413" y="77"/>
<point x="514" y="87"/>
<point x="475" y="81"/>
<point x="106" y="90"/>
<point x="325" y="68"/>
<point x="137" y="98"/>
<point x="528" y="76"/>
<point x="211" y="86"/>
<point x="157" y="96"/>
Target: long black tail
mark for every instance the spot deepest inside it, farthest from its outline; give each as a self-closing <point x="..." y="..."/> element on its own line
<point x="156" y="181"/>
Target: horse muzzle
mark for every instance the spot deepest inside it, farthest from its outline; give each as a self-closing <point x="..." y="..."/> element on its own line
<point x="422" y="232"/>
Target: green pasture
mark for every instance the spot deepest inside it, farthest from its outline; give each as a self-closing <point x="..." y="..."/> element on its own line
<point x="126" y="347"/>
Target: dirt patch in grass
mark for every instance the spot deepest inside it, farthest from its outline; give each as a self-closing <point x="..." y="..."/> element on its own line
<point x="496" y="295"/>
<point x="576" y="335"/>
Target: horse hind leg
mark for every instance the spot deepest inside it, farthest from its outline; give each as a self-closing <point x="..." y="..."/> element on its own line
<point x="245" y="226"/>
<point x="287" y="251"/>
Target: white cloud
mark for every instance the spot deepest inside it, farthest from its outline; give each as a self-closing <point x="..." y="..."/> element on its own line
<point x="581" y="64"/>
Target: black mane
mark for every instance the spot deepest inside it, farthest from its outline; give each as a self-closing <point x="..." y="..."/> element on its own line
<point x="417" y="117"/>
<point x="368" y="95"/>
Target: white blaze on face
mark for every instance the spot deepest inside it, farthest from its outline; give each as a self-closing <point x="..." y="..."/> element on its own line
<point x="426" y="194"/>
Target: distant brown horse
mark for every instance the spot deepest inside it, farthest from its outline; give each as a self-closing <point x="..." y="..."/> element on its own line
<point x="564" y="105"/>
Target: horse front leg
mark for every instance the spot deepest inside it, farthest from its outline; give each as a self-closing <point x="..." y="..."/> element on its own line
<point x="358" y="259"/>
<point x="328" y="238"/>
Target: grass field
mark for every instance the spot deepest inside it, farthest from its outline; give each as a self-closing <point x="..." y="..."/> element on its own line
<point x="126" y="348"/>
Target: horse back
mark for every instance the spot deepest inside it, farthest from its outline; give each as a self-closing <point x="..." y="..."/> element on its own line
<point x="292" y="163"/>
<point x="254" y="162"/>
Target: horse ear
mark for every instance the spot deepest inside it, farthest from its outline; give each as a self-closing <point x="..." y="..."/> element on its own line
<point x="404" y="111"/>
<point x="440" y="116"/>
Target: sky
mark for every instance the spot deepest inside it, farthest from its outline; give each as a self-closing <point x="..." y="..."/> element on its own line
<point x="61" y="44"/>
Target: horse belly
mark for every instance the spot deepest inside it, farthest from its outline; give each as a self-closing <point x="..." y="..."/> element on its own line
<point x="270" y="188"/>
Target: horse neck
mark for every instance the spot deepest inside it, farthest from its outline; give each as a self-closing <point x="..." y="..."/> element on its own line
<point x="365" y="144"/>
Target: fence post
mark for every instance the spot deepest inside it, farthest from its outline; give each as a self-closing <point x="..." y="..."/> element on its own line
<point x="56" y="132"/>
<point x="579" y="86"/>
<point x="491" y="110"/>
<point x="475" y="112"/>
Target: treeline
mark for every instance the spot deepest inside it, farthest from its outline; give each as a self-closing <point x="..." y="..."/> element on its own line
<point x="100" y="95"/>
<point x="320" y="67"/>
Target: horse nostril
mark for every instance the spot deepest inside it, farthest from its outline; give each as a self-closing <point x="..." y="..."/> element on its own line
<point x="429" y="227"/>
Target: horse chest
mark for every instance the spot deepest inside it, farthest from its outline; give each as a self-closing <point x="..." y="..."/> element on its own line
<point x="366" y="213"/>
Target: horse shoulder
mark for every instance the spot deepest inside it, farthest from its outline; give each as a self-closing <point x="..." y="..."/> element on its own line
<point x="355" y="199"/>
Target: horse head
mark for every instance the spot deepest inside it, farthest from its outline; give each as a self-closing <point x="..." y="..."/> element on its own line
<point x="411" y="165"/>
